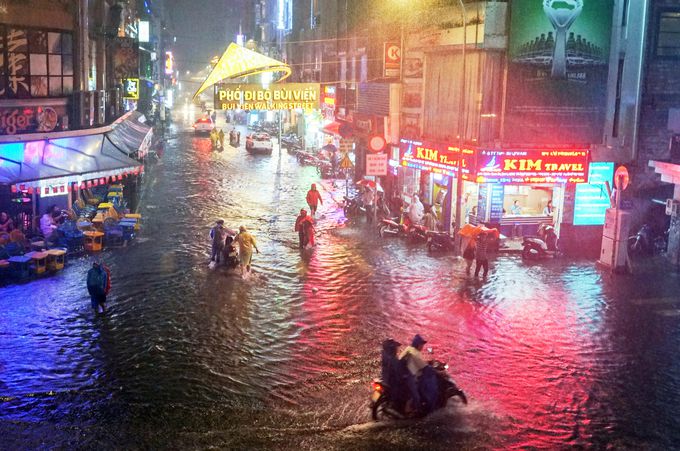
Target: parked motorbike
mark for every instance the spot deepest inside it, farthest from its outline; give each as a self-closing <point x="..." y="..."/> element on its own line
<point x="645" y="243"/>
<point x="353" y="207"/>
<point x="325" y="169"/>
<point x="384" y="406"/>
<point x="540" y="246"/>
<point x="406" y="229"/>
<point x="440" y="241"/>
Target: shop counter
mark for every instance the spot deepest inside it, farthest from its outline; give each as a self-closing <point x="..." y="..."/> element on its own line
<point x="523" y="224"/>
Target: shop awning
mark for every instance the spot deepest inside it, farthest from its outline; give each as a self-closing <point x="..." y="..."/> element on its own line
<point x="131" y="135"/>
<point x="62" y="160"/>
<point x="332" y="129"/>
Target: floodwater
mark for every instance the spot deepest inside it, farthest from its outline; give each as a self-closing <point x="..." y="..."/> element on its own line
<point x="552" y="355"/>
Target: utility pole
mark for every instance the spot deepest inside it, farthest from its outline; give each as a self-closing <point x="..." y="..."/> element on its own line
<point x="461" y="130"/>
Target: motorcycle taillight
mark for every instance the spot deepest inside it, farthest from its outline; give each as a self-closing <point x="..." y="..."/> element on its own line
<point x="377" y="387"/>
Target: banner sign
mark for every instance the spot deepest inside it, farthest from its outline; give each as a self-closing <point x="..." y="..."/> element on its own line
<point x="438" y="158"/>
<point x="533" y="166"/>
<point x="592" y="199"/>
<point x="287" y="96"/>
<point x="30" y="119"/>
<point x="557" y="74"/>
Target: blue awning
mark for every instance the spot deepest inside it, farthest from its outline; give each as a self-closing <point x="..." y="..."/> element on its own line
<point x="62" y="160"/>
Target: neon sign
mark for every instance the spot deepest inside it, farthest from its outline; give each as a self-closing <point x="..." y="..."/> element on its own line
<point x="533" y="166"/>
<point x="438" y="158"/>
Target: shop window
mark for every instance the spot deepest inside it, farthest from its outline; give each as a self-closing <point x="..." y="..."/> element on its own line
<point x="668" y="34"/>
<point x="37" y="63"/>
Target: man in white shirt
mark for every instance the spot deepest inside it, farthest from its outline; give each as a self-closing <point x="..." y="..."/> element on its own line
<point x="416" y="210"/>
<point x="48" y="223"/>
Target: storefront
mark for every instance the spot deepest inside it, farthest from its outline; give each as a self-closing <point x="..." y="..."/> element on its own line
<point x="428" y="168"/>
<point x="520" y="189"/>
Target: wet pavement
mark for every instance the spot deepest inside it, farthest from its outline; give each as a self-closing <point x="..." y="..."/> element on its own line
<point x="551" y="354"/>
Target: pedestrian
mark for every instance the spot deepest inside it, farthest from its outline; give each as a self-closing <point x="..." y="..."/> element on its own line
<point x="481" y="257"/>
<point x="313" y="199"/>
<point x="238" y="138"/>
<point x="220" y="136"/>
<point x="232" y="138"/>
<point x="98" y="284"/>
<point x="218" y="235"/>
<point x="368" y="198"/>
<point x="469" y="255"/>
<point x="246" y="244"/>
<point x="213" y="138"/>
<point x="416" y="210"/>
<point x="429" y="219"/>
<point x="300" y="227"/>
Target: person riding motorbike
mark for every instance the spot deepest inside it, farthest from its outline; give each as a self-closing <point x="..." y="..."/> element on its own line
<point x="422" y="378"/>
<point x="416" y="210"/>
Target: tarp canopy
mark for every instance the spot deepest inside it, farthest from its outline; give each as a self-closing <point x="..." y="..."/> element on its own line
<point x="238" y="62"/>
<point x="62" y="160"/>
<point x="132" y="135"/>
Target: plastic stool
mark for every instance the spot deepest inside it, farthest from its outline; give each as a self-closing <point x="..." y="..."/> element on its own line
<point x="19" y="266"/>
<point x="38" y="262"/>
<point x="93" y="241"/>
<point x="56" y="259"/>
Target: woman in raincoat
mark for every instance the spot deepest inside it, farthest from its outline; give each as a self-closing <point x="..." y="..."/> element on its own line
<point x="213" y="138"/>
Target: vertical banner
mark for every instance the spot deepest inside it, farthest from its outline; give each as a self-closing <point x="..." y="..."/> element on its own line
<point x="392" y="60"/>
<point x="557" y="77"/>
<point x="125" y="58"/>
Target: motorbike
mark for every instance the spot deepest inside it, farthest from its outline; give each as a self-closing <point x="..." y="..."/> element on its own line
<point x="230" y="253"/>
<point x="325" y="169"/>
<point x="383" y="404"/>
<point x="541" y="246"/>
<point x="440" y="241"/>
<point x="392" y="227"/>
<point x="645" y="243"/>
<point x="353" y="207"/>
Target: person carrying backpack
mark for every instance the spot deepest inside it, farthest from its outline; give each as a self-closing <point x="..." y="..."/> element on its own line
<point x="98" y="285"/>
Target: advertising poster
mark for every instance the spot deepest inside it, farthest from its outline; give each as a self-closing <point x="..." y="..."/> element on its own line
<point x="125" y="58"/>
<point x="533" y="166"/>
<point x="557" y="77"/>
<point x="592" y="198"/>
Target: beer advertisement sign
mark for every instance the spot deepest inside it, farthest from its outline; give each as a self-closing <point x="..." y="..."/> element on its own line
<point x="557" y="76"/>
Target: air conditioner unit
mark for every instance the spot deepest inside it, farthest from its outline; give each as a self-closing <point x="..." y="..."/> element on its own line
<point x="83" y="108"/>
<point x="99" y="107"/>
<point x="672" y="207"/>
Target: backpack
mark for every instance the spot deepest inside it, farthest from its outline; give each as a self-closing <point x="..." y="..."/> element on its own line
<point x="96" y="280"/>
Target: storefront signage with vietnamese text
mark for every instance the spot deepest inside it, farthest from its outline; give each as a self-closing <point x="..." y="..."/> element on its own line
<point x="533" y="166"/>
<point x="392" y="60"/>
<point x="376" y="164"/>
<point x="438" y="158"/>
<point x="287" y="96"/>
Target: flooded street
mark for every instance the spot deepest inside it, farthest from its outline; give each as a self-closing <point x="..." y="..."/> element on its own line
<point x="554" y="354"/>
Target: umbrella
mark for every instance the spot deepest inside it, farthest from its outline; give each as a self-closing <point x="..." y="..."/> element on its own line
<point x="329" y="148"/>
<point x="493" y="232"/>
<point x="469" y="231"/>
<point x="368" y="183"/>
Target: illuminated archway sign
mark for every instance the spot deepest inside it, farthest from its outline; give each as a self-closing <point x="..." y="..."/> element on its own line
<point x="284" y="96"/>
<point x="238" y="62"/>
